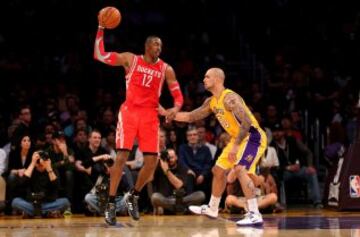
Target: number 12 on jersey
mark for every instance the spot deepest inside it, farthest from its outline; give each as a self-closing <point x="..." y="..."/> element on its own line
<point x="147" y="79"/>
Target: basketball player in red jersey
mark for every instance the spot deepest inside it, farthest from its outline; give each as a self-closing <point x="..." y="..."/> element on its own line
<point x="138" y="115"/>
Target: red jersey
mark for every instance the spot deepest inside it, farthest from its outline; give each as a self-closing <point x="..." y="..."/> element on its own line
<point x="144" y="82"/>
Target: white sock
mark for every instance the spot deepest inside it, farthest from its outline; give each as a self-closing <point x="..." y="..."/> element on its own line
<point x="214" y="203"/>
<point x="253" y="205"/>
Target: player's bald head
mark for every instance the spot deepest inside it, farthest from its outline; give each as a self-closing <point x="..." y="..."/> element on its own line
<point x="218" y="73"/>
<point x="214" y="78"/>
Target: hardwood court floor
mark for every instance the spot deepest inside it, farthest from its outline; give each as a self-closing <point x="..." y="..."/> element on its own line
<point x="297" y="223"/>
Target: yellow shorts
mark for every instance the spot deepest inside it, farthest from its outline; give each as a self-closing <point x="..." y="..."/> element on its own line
<point x="250" y="151"/>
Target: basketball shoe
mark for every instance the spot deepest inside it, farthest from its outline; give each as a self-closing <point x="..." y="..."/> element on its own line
<point x="110" y="214"/>
<point x="204" y="210"/>
<point x="131" y="202"/>
<point x="250" y="218"/>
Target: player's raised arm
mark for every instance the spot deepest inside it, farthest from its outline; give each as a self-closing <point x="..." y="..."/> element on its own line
<point x="234" y="103"/>
<point x="110" y="58"/>
<point x="202" y="112"/>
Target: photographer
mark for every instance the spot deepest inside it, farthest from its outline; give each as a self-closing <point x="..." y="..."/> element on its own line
<point x="86" y="160"/>
<point x="42" y="189"/>
<point x="97" y="198"/>
<point x="64" y="162"/>
<point x="171" y="185"/>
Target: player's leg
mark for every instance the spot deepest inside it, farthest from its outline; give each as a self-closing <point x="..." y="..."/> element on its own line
<point x="148" y="135"/>
<point x="115" y="178"/>
<point x="117" y="170"/>
<point x="250" y="152"/>
<point x="253" y="216"/>
<point x="125" y="134"/>
<point x="146" y="173"/>
<point x="218" y="186"/>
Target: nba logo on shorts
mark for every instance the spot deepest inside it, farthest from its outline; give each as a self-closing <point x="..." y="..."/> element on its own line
<point x="354" y="186"/>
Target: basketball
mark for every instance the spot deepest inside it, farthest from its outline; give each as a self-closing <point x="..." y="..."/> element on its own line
<point x="109" y="17"/>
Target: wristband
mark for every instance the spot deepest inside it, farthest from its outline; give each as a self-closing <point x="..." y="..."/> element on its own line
<point x="176" y="94"/>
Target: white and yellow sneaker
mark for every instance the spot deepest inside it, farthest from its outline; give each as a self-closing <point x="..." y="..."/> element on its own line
<point x="204" y="210"/>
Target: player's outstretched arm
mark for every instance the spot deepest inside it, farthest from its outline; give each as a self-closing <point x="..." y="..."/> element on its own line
<point x="110" y="58"/>
<point x="200" y="113"/>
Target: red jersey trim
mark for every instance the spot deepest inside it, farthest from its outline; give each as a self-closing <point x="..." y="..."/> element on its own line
<point x="131" y="70"/>
<point x="162" y="78"/>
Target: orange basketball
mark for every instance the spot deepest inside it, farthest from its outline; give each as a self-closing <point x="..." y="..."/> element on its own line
<point x="109" y="17"/>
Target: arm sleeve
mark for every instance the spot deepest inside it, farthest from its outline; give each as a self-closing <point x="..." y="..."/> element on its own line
<point x="99" y="50"/>
<point x="175" y="91"/>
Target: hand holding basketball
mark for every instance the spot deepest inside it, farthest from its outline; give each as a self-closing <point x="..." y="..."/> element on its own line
<point x="109" y="17"/>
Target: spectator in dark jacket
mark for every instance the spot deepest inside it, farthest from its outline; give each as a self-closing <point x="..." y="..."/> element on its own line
<point x="296" y="161"/>
<point x="42" y="185"/>
<point x="198" y="159"/>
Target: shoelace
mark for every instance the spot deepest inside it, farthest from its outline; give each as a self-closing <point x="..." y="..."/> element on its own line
<point x="250" y="215"/>
<point x="130" y="206"/>
<point x="107" y="215"/>
<point x="108" y="211"/>
<point x="204" y="208"/>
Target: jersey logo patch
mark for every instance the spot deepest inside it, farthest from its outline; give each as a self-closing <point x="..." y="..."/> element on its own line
<point x="249" y="158"/>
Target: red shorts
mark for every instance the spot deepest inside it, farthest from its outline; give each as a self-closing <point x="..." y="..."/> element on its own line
<point x="140" y="123"/>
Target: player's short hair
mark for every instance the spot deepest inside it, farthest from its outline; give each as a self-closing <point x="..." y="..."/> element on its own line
<point x="150" y="38"/>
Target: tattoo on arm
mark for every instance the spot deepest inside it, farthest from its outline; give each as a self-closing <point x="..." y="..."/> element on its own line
<point x="234" y="103"/>
<point x="202" y="112"/>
